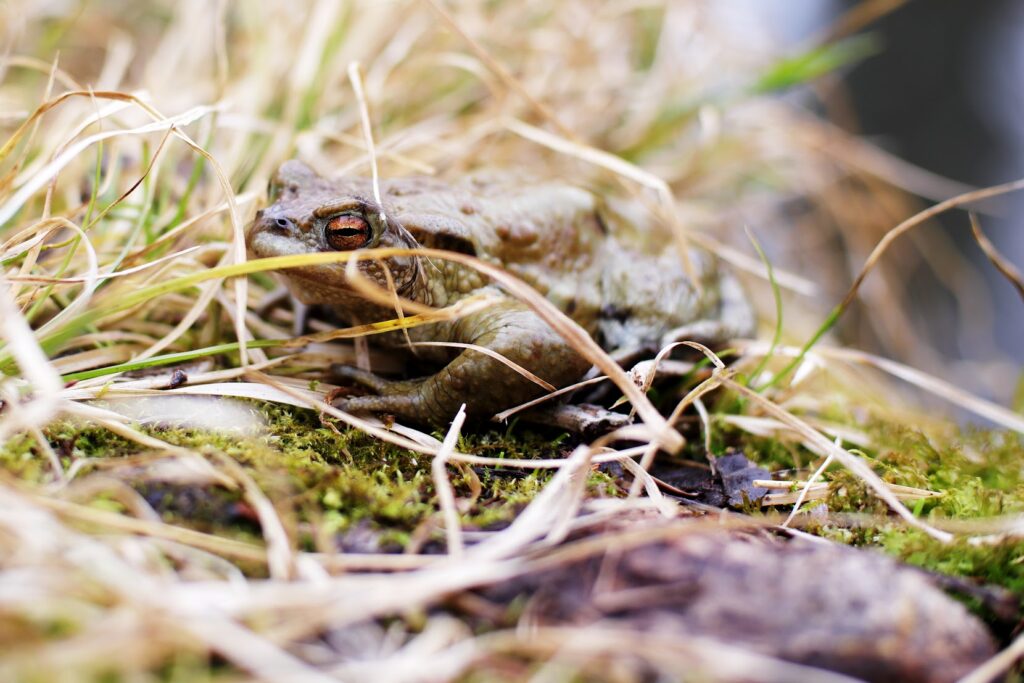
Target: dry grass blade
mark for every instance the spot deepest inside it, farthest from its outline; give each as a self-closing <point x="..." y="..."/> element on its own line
<point x="445" y="493"/>
<point x="624" y="169"/>
<point x="38" y="180"/>
<point x="922" y="217"/>
<point x="939" y="387"/>
<point x="113" y="521"/>
<point x="850" y="461"/>
<point x="1001" y="263"/>
<point x="34" y="364"/>
<point x="498" y="69"/>
<point x="997" y="665"/>
<point x="505" y="414"/>
<point x="364" y="118"/>
<point x="491" y="353"/>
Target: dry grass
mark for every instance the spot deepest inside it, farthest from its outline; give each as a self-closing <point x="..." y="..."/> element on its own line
<point x="138" y="140"/>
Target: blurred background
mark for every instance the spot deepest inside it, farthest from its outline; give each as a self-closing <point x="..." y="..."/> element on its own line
<point x="944" y="91"/>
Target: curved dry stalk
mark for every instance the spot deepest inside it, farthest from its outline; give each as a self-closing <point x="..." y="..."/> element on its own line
<point x="491" y="353"/>
<point x="919" y="218"/>
<point x="882" y="246"/>
<point x="505" y="414"/>
<point x="1002" y="264"/>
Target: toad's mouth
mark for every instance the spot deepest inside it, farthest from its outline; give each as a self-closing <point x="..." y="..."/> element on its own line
<point x="263" y="243"/>
<point x="325" y="283"/>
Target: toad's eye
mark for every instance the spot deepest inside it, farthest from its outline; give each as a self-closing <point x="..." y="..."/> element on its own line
<point x="347" y="232"/>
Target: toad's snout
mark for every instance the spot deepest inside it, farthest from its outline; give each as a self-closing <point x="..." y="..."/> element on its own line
<point x="270" y="226"/>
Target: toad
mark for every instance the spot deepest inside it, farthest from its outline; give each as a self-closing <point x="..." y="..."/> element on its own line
<point x="597" y="260"/>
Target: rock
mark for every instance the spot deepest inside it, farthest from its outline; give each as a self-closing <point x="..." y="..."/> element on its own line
<point x="851" y="611"/>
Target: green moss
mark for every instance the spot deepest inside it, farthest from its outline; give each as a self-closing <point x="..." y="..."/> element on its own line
<point x="978" y="472"/>
<point x="324" y="479"/>
<point x="997" y="564"/>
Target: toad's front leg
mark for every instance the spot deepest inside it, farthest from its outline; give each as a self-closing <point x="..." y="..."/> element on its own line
<point x="486" y="385"/>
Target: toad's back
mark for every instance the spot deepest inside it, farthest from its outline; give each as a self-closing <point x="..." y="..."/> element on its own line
<point x="617" y="276"/>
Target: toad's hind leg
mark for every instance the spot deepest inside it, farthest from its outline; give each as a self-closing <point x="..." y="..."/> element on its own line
<point x="486" y="385"/>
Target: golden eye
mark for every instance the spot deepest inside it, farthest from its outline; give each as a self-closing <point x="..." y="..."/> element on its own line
<point x="347" y="232"/>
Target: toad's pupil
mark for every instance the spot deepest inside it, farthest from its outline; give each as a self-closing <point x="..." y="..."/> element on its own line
<point x="347" y="232"/>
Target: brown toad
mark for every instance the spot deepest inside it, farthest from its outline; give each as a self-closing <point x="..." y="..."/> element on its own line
<point x="621" y="281"/>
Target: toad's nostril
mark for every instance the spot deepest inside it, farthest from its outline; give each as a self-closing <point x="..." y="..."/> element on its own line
<point x="275" y="222"/>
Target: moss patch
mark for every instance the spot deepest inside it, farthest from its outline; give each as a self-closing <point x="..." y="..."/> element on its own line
<point x="325" y="481"/>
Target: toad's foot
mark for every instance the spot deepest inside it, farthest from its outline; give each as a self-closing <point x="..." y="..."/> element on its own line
<point x="486" y="385"/>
